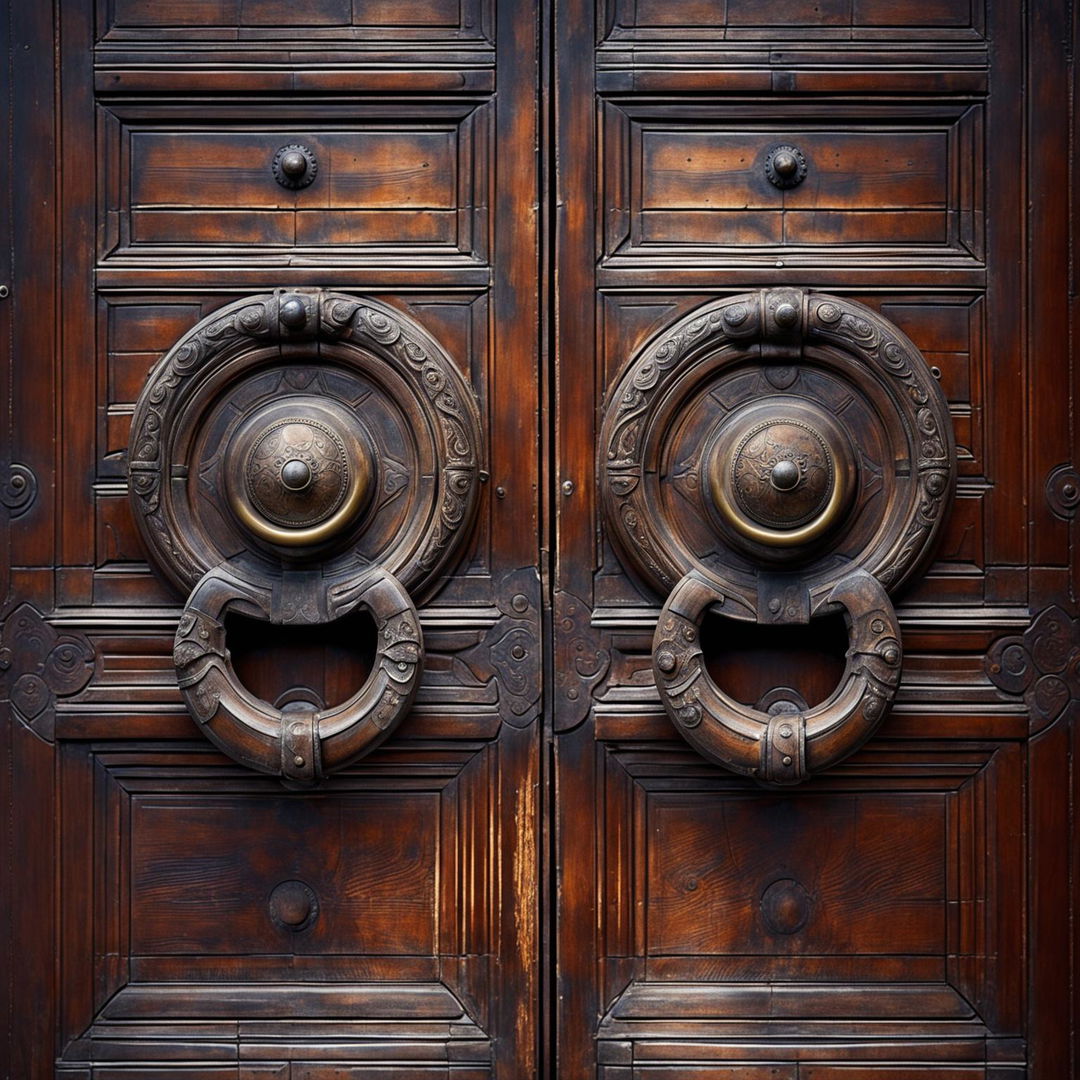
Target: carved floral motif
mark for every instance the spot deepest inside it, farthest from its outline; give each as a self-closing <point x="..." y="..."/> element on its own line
<point x="39" y="665"/>
<point x="1042" y="665"/>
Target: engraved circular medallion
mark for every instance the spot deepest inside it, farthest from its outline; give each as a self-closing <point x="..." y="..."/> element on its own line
<point x="297" y="472"/>
<point x="782" y="473"/>
<point x="687" y="400"/>
<point x="212" y="477"/>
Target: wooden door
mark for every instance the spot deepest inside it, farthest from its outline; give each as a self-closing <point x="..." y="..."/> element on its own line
<point x="902" y="913"/>
<point x="415" y="664"/>
<point x="313" y="205"/>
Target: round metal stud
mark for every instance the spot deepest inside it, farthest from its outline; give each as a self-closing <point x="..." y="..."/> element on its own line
<point x="785" y="475"/>
<point x="296" y="475"/>
<point x="785" y="167"/>
<point x="298" y="472"/>
<point x="293" y="314"/>
<point x="780" y="473"/>
<point x="295" y="166"/>
<point x="785" y="164"/>
<point x="665" y="661"/>
<point x="786" y="315"/>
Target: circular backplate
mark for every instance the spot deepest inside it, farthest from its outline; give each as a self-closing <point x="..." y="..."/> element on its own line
<point x="777" y="430"/>
<point x="781" y="474"/>
<point x="305" y="426"/>
<point x="299" y="470"/>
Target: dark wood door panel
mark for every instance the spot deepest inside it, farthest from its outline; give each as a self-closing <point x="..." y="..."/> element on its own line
<point x="396" y="182"/>
<point x="233" y="19"/>
<point x="538" y="874"/>
<point x="881" y="182"/>
<point x="220" y="899"/>
<point x="868" y="923"/>
<point x="831" y="20"/>
<point x="722" y="887"/>
<point x="209" y="920"/>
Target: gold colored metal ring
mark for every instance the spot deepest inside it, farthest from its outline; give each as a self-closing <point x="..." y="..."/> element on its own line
<point x="779" y="537"/>
<point x="341" y="429"/>
<point x="360" y="479"/>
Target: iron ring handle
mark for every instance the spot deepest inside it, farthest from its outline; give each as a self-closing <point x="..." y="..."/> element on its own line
<point x="787" y="747"/>
<point x="300" y="744"/>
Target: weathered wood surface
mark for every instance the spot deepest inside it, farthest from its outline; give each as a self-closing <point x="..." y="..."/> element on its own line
<point x="535" y="875"/>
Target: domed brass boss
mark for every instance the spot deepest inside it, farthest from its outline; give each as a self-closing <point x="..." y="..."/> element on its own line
<point x="298" y="472"/>
<point x="780" y="472"/>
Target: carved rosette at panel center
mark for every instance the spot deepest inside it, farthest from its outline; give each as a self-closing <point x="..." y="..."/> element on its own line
<point x="776" y="457"/>
<point x="296" y="456"/>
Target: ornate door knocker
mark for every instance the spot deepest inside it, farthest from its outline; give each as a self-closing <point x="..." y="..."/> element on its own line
<point x="294" y="456"/>
<point x="774" y="457"/>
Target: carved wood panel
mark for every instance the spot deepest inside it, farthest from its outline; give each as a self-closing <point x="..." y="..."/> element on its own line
<point x="878" y="182"/>
<point x="766" y="20"/>
<point x="692" y="928"/>
<point x="535" y="875"/>
<point x="394" y="181"/>
<point x="317" y="213"/>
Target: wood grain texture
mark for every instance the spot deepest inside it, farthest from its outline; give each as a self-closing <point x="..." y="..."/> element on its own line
<point x="382" y="951"/>
<point x="537" y="876"/>
<point x="682" y="103"/>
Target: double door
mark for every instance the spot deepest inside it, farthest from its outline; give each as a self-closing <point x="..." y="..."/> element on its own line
<point x="540" y="540"/>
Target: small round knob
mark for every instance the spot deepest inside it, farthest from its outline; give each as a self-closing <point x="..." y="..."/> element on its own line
<point x="785" y="164"/>
<point x="786" y="315"/>
<point x="785" y="475"/>
<point x="296" y="474"/>
<point x="294" y="165"/>
<point x="785" y="167"/>
<point x="293" y="313"/>
<point x="665" y="661"/>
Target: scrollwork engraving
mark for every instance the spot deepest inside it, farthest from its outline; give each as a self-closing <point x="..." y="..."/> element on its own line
<point x="727" y="332"/>
<point x="440" y="393"/>
<point x="38" y="665"/>
<point x="1042" y="665"/>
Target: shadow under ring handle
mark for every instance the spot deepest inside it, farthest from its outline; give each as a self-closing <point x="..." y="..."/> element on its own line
<point x="300" y="744"/>
<point x="788" y="747"/>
